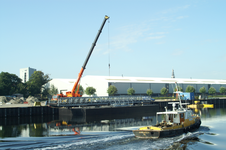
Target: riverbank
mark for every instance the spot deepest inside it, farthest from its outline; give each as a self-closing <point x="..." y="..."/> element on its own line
<point x="21" y="110"/>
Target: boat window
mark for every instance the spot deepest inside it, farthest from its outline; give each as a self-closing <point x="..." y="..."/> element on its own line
<point x="175" y="116"/>
<point x="171" y="117"/>
<point x="182" y="115"/>
<point x="189" y="115"/>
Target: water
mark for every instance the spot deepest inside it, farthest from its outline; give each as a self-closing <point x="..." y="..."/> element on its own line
<point x="113" y="134"/>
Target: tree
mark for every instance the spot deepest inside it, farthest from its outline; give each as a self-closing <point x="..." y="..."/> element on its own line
<point x="81" y="90"/>
<point x="36" y="82"/>
<point x="112" y="90"/>
<point x="53" y="90"/>
<point x="130" y="91"/>
<point x="164" y="91"/>
<point x="179" y="89"/>
<point x="149" y="92"/>
<point x="202" y="90"/>
<point x="190" y="89"/>
<point x="45" y="92"/>
<point x="212" y="90"/>
<point x="10" y="84"/>
<point x="90" y="91"/>
<point x="222" y="90"/>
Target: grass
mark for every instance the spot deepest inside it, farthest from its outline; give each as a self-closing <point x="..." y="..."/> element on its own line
<point x="163" y="97"/>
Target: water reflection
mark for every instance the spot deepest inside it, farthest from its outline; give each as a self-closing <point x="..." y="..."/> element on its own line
<point x="52" y="126"/>
<point x="72" y="127"/>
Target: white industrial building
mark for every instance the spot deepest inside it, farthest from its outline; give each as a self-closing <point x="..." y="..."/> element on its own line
<point x="139" y="84"/>
<point x="25" y="73"/>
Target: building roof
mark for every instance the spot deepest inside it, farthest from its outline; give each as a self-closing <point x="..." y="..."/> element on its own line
<point x="155" y="80"/>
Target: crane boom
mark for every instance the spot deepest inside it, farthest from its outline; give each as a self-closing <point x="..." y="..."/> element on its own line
<point x="76" y="85"/>
<point x="95" y="41"/>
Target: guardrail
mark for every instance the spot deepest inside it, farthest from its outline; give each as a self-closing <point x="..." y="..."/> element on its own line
<point x="103" y="100"/>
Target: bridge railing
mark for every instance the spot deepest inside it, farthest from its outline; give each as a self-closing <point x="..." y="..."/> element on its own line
<point x="102" y="100"/>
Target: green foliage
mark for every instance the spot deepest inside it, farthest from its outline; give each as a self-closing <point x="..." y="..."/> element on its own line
<point x="222" y="90"/>
<point x="164" y="91"/>
<point x="81" y="90"/>
<point x="36" y="81"/>
<point x="112" y="90"/>
<point x="212" y="90"/>
<point x="11" y="84"/>
<point x="149" y="92"/>
<point x="196" y="97"/>
<point x="45" y="93"/>
<point x="179" y="89"/>
<point x="21" y="88"/>
<point x="190" y="89"/>
<point x="130" y="91"/>
<point x="53" y="90"/>
<point x="202" y="90"/>
<point x="90" y="91"/>
<point x="217" y="96"/>
<point x="163" y="98"/>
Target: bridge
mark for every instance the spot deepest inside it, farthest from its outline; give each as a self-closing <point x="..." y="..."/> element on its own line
<point x="101" y="101"/>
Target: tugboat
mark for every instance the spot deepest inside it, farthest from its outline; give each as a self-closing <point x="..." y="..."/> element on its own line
<point x="175" y="122"/>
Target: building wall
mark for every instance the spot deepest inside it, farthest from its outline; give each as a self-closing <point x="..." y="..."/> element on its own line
<point x="156" y="87"/>
<point x="25" y="73"/>
<point x="141" y="88"/>
<point x="121" y="87"/>
<point x="101" y="84"/>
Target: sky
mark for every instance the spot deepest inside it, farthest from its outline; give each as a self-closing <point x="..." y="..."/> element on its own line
<point x="145" y="38"/>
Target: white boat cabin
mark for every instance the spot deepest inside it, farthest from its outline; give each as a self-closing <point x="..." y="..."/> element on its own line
<point x="176" y="116"/>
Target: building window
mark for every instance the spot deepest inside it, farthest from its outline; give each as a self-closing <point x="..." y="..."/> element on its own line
<point x="25" y="75"/>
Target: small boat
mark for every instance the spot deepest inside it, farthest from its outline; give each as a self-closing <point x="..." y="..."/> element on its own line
<point x="198" y="106"/>
<point x="175" y="122"/>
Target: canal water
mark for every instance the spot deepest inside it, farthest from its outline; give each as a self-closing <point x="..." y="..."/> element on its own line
<point x="80" y="133"/>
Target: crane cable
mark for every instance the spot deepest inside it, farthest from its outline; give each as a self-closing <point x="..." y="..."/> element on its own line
<point x="109" y="46"/>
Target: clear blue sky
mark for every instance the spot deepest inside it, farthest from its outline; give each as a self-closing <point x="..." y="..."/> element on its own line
<point x="145" y="38"/>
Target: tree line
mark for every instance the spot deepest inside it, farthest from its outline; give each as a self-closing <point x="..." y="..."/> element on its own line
<point x="112" y="90"/>
<point x="11" y="84"/>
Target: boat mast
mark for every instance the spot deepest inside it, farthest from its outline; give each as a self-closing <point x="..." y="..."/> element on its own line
<point x="177" y="91"/>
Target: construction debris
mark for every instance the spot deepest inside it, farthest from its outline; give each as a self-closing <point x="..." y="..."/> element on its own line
<point x="18" y="100"/>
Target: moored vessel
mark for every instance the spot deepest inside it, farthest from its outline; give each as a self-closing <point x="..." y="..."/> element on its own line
<point x="175" y="122"/>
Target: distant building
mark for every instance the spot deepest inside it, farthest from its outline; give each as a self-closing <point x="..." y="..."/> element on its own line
<point x="25" y="73"/>
<point x="139" y="84"/>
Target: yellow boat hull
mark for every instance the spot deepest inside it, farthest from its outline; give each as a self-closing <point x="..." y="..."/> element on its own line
<point x="151" y="133"/>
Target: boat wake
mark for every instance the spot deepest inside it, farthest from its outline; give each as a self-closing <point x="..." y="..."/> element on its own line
<point x="102" y="140"/>
<point x="183" y="140"/>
